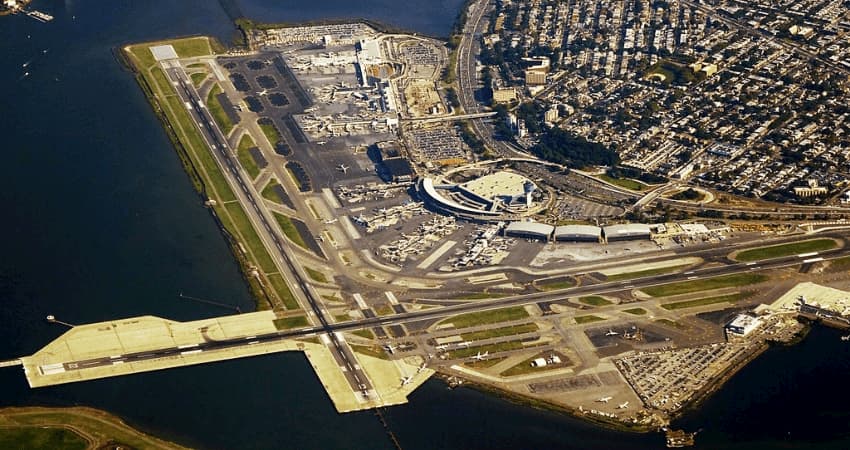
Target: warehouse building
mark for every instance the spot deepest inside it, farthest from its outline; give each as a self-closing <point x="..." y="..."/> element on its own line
<point x="578" y="233"/>
<point x="529" y="230"/>
<point x="626" y="232"/>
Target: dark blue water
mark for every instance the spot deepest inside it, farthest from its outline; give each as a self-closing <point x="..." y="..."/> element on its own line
<point x="99" y="221"/>
<point x="432" y="17"/>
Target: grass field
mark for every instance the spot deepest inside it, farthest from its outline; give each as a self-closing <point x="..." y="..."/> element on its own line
<point x="268" y="192"/>
<point x="635" y="311"/>
<point x="289" y="230"/>
<point x="283" y="292"/>
<point x="839" y="264"/>
<point x="555" y="285"/>
<point x="384" y="310"/>
<point x="251" y="238"/>
<point x="245" y="158"/>
<point x="625" y="183"/>
<point x="525" y="366"/>
<point x="316" y="275"/>
<point x="594" y="300"/>
<point x="670" y="323"/>
<point x="364" y="334"/>
<point x="645" y="273"/>
<point x="492" y="348"/>
<point x="374" y="351"/>
<point x="499" y="332"/>
<point x="217" y="110"/>
<point x="731" y="298"/>
<point x="271" y="132"/>
<point x="485" y="317"/>
<point x="706" y="284"/>
<point x="42" y="428"/>
<point x="41" y="438"/>
<point x="291" y="322"/>
<point x="198" y="78"/>
<point x="588" y="319"/>
<point x="794" y="248"/>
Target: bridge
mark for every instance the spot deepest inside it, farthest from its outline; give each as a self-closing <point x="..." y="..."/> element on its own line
<point x="423" y="120"/>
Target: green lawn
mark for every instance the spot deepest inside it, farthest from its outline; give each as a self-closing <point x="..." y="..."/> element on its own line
<point x="269" y="193"/>
<point x="635" y="311"/>
<point x="289" y="230"/>
<point x="588" y="319"/>
<point x="626" y="183"/>
<point x="707" y="284"/>
<point x="251" y="238"/>
<point x="839" y="264"/>
<point x="594" y="300"/>
<point x="316" y="275"/>
<point x="794" y="248"/>
<point x="645" y="273"/>
<point x="198" y="78"/>
<point x="492" y="348"/>
<point x="270" y="131"/>
<point x="283" y="292"/>
<point x="217" y="110"/>
<point x="731" y="298"/>
<point x="291" y="322"/>
<point x="384" y="310"/>
<point x="37" y="438"/>
<point x="245" y="158"/>
<point x="499" y="332"/>
<point x="374" y="351"/>
<point x="191" y="47"/>
<point x="525" y="366"/>
<point x="556" y="285"/>
<point x="670" y="323"/>
<point x="485" y="317"/>
<point x="364" y="334"/>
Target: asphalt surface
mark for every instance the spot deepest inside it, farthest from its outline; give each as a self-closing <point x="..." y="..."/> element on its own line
<point x="333" y="329"/>
<point x="225" y="156"/>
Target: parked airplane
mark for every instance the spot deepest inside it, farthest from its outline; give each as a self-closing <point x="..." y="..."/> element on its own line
<point x="263" y="92"/>
<point x="481" y="356"/>
<point x="623" y="405"/>
<point x="441" y="347"/>
<point x="390" y="348"/>
<point x="604" y="399"/>
<point x="611" y="333"/>
<point x="421" y="368"/>
<point x="329" y="221"/>
<point x="342" y="168"/>
<point x="406" y="380"/>
<point x="463" y="344"/>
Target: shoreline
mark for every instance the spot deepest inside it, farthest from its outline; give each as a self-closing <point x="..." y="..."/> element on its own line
<point x="261" y="297"/>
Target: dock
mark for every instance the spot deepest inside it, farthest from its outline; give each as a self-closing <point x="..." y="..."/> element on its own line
<point x="149" y="343"/>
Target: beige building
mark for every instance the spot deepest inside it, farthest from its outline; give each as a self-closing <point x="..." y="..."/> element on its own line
<point x="504" y="95"/>
<point x="535" y="78"/>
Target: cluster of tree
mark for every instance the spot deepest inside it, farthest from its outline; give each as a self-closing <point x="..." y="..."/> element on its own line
<point x="561" y="147"/>
<point x="689" y="194"/>
<point x="451" y="97"/>
<point x="637" y="174"/>
<point x="532" y="114"/>
<point x="477" y="145"/>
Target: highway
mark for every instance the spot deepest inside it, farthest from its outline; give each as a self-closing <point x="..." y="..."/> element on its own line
<point x="224" y="155"/>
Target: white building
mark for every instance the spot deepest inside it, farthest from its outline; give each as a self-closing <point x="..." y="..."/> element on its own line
<point x="743" y="324"/>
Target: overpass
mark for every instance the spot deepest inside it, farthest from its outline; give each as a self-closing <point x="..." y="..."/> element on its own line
<point x="424" y="120"/>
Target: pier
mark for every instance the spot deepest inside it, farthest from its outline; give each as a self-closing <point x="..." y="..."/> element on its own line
<point x="11" y="363"/>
